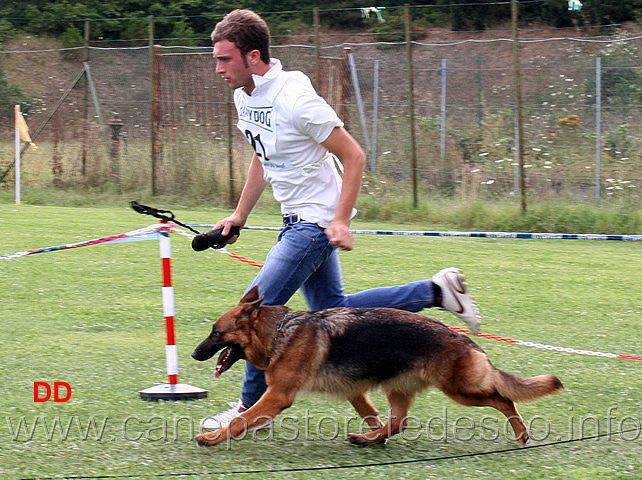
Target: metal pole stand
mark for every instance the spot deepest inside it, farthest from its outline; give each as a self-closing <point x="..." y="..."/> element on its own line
<point x="173" y="390"/>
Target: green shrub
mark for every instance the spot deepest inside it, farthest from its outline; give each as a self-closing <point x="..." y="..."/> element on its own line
<point x="72" y="38"/>
<point x="11" y="95"/>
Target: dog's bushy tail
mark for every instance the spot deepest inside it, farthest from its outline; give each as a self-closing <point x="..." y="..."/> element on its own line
<point x="519" y="389"/>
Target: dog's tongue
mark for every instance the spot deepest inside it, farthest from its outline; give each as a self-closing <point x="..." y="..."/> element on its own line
<point x="223" y="363"/>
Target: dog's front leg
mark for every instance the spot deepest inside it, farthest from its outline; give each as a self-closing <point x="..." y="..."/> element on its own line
<point x="268" y="407"/>
<point x="236" y="429"/>
<point x="399" y="404"/>
<point x="366" y="410"/>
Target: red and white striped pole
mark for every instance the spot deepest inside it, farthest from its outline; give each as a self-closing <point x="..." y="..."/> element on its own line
<point x="171" y="353"/>
<point x="173" y="390"/>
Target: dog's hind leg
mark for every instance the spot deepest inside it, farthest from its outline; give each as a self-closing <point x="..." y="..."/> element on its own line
<point x="399" y="404"/>
<point x="507" y="407"/>
<point x="366" y="410"/>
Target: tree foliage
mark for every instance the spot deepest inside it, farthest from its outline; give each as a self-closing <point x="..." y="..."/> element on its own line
<point x="11" y="95"/>
<point x="188" y="22"/>
<point x="197" y="17"/>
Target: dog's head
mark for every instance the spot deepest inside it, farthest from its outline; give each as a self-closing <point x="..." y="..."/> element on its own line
<point x="231" y="333"/>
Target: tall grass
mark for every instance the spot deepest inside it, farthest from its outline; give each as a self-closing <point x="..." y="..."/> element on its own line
<point x="553" y="216"/>
<point x="563" y="216"/>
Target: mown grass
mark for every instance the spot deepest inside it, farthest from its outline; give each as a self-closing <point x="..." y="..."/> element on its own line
<point x="92" y="317"/>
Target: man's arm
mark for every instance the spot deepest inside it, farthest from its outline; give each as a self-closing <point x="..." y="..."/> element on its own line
<point x="254" y="187"/>
<point x="346" y="148"/>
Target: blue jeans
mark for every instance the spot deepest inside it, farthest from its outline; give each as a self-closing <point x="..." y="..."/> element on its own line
<point x="303" y="258"/>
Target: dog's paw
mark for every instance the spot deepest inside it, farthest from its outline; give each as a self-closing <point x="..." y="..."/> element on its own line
<point x="365" y="441"/>
<point x="203" y="441"/>
<point x="523" y="438"/>
<point x="356" y="439"/>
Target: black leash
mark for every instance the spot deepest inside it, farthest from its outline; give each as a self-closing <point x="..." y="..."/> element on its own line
<point x="202" y="241"/>
<point x="164" y="215"/>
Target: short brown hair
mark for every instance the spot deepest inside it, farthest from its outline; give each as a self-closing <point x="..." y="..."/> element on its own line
<point x="246" y="30"/>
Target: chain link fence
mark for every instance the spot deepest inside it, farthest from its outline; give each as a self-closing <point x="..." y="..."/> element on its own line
<point x="137" y="118"/>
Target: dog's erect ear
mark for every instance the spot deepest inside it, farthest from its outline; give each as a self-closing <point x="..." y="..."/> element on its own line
<point x="252" y="298"/>
<point x="251" y="301"/>
<point x="249" y="305"/>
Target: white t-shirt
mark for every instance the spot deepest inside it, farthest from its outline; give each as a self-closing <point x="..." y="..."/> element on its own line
<point x="285" y="121"/>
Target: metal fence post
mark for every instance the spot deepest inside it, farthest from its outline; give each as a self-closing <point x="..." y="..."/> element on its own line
<point x="442" y="132"/>
<point x="230" y="137"/>
<point x="375" y="119"/>
<point x="155" y="126"/>
<point x="598" y="126"/>
<point x="518" y="101"/>
<point x="85" y="103"/>
<point x="411" y="107"/>
<point x="357" y="93"/>
<point x="480" y="91"/>
<point x="317" y="48"/>
<point x="116" y="124"/>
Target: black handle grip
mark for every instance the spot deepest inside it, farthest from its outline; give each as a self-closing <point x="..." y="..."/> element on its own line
<point x="213" y="239"/>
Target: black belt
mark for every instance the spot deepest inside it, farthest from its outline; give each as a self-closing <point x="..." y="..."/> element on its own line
<point x="290" y="218"/>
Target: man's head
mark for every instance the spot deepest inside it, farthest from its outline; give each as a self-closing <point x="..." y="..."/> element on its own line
<point x="247" y="31"/>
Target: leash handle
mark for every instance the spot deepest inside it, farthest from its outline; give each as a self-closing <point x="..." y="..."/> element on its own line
<point x="213" y="239"/>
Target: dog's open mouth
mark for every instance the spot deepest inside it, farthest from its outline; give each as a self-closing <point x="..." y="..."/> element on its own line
<point x="228" y="357"/>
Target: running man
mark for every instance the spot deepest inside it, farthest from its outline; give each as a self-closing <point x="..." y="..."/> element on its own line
<point x="300" y="145"/>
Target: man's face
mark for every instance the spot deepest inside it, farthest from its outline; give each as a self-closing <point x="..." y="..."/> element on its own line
<point x="232" y="66"/>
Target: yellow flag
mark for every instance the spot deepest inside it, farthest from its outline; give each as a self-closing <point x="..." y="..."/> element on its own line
<point x="22" y="127"/>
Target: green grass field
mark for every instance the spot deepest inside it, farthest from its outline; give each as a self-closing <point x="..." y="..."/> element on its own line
<point x="92" y="317"/>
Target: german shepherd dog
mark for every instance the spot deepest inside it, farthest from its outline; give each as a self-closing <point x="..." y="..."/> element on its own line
<point x="348" y="351"/>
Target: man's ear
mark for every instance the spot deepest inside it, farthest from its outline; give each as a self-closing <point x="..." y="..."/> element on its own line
<point x="254" y="57"/>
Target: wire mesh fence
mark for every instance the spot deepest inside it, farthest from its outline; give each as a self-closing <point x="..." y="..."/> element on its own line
<point x="142" y="118"/>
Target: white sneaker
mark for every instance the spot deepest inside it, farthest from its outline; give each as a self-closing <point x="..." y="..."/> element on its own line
<point x="455" y="297"/>
<point x="223" y="419"/>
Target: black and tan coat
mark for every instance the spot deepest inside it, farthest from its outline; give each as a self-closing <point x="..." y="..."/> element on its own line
<point x="346" y="352"/>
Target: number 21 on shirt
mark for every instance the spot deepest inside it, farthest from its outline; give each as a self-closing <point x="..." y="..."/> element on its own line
<point x="257" y="145"/>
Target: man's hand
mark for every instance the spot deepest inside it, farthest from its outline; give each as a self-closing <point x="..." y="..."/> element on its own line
<point x="227" y="223"/>
<point x="339" y="235"/>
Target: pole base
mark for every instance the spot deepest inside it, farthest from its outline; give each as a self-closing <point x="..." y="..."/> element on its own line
<point x="179" y="391"/>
